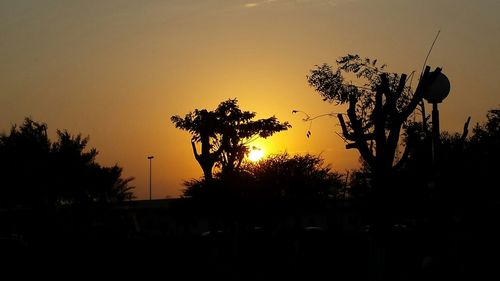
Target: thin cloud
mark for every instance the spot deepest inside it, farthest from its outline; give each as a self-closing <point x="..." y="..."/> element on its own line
<point x="331" y="3"/>
<point x="251" y="5"/>
<point x="255" y="4"/>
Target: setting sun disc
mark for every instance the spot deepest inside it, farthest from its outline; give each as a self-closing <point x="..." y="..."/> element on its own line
<point x="255" y="155"/>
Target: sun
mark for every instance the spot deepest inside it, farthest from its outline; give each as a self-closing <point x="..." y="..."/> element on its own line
<point x="255" y="154"/>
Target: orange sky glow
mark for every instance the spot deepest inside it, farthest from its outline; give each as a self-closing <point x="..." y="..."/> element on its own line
<point x="117" y="70"/>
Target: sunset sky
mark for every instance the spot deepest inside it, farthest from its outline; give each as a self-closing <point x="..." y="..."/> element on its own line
<point x="117" y="70"/>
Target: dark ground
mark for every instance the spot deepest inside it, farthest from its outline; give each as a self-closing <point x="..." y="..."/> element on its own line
<point x="268" y="240"/>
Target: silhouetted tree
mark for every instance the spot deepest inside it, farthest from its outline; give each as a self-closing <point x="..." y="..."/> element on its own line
<point x="72" y="168"/>
<point x="481" y="159"/>
<point x="487" y="135"/>
<point x="378" y="109"/>
<point x="224" y="134"/>
<point x="38" y="173"/>
<point x="80" y="179"/>
<point x="111" y="186"/>
<point x="24" y="158"/>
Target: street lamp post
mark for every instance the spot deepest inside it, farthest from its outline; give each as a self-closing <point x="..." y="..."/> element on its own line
<point x="435" y="94"/>
<point x="150" y="166"/>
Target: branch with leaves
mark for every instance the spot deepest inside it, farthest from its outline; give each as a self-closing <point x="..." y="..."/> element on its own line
<point x="379" y="104"/>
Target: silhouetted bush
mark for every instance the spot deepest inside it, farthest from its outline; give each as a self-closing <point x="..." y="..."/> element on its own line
<point x="297" y="177"/>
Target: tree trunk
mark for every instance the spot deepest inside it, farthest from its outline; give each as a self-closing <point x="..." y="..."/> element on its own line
<point x="207" y="172"/>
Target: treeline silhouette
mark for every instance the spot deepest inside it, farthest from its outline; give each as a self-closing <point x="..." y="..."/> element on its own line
<point x="36" y="172"/>
<point x="438" y="222"/>
<point x="428" y="208"/>
<point x="409" y="213"/>
<point x="54" y="196"/>
<point x="279" y="176"/>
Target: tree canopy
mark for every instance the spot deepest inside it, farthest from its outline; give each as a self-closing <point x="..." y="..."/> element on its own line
<point x="379" y="105"/>
<point x="224" y="134"/>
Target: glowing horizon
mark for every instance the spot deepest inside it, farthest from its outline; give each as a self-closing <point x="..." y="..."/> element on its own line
<point x="117" y="70"/>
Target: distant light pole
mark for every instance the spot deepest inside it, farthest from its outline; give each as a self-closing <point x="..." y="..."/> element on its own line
<point x="150" y="165"/>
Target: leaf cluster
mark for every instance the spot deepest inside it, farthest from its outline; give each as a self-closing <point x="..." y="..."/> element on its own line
<point x="335" y="86"/>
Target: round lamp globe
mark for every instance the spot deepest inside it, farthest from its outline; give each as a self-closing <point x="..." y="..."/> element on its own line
<point x="438" y="90"/>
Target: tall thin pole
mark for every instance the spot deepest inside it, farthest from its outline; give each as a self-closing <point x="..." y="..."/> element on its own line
<point x="436" y="142"/>
<point x="150" y="173"/>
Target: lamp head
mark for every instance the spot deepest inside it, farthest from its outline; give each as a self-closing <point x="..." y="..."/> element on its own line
<point x="438" y="90"/>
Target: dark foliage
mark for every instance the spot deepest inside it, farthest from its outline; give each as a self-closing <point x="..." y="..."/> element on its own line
<point x="295" y="176"/>
<point x="224" y="134"/>
<point x="379" y="107"/>
<point x="36" y="172"/>
<point x="281" y="176"/>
